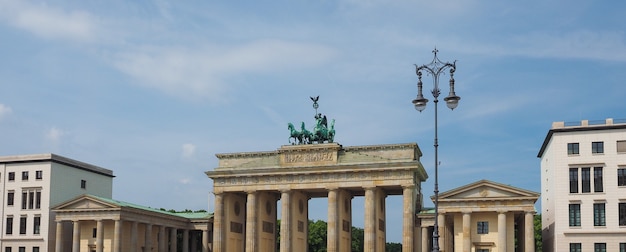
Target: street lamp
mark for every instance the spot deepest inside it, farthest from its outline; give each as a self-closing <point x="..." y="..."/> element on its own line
<point x="435" y="68"/>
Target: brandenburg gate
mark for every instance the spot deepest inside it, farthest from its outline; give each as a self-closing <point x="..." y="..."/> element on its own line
<point x="248" y="186"/>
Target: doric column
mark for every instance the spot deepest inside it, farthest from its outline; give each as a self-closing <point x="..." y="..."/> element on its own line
<point x="205" y="240"/>
<point x="162" y="239"/>
<point x="370" y="220"/>
<point x="218" y="226"/>
<point x="59" y="237"/>
<point x="529" y="232"/>
<point x="99" y="236"/>
<point x="408" y="217"/>
<point x="251" y="221"/>
<point x="185" y="240"/>
<point x="76" y="237"/>
<point x="285" y="222"/>
<point x="467" y="231"/>
<point x="173" y="239"/>
<point x="502" y="231"/>
<point x="134" y="232"/>
<point x="442" y="230"/>
<point x="333" y="230"/>
<point x="117" y="236"/>
<point x="425" y="239"/>
<point x="148" y="238"/>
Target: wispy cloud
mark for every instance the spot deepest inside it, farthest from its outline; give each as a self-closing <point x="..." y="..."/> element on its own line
<point x="205" y="72"/>
<point x="4" y="110"/>
<point x="54" y="134"/>
<point x="49" y="22"/>
<point x="188" y="150"/>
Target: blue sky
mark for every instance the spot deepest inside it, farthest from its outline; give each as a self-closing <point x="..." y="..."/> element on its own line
<point x="154" y="89"/>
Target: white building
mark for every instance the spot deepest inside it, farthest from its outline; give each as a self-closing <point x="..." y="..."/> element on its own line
<point x="583" y="186"/>
<point x="30" y="185"/>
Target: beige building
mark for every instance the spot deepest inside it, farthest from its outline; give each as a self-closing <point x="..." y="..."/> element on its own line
<point x="484" y="216"/>
<point x="247" y="188"/>
<point x="30" y="185"/>
<point x="97" y="224"/>
<point x="583" y="185"/>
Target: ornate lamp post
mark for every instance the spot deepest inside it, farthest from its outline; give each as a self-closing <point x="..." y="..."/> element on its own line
<point x="435" y="68"/>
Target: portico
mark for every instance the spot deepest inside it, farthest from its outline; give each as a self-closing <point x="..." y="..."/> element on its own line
<point x="483" y="216"/>
<point x="247" y="187"/>
<point x="95" y="224"/>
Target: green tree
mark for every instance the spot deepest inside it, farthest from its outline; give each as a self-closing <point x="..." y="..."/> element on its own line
<point x="317" y="236"/>
<point x="393" y="247"/>
<point x="358" y="234"/>
<point x="538" y="241"/>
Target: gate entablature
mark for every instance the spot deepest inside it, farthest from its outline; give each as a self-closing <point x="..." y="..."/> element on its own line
<point x="320" y="166"/>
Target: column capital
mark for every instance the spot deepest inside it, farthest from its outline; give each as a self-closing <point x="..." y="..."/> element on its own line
<point x="332" y="188"/>
<point x="370" y="187"/>
<point x="287" y="190"/>
<point x="466" y="211"/>
<point x="411" y="186"/>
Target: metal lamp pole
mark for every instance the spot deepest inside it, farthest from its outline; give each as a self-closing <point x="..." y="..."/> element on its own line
<point x="435" y="68"/>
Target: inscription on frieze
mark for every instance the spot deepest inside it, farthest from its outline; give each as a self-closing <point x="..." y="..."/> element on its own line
<point x="308" y="157"/>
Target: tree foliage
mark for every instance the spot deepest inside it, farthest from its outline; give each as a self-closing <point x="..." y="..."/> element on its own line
<point x="317" y="236"/>
<point x="538" y="241"/>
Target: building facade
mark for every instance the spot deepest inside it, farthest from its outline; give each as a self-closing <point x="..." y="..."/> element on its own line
<point x="31" y="185"/>
<point x="583" y="186"/>
<point x="483" y="216"/>
<point x="96" y="224"/>
<point x="248" y="186"/>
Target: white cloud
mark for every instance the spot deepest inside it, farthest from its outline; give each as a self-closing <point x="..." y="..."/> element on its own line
<point x="5" y="110"/>
<point x="49" y="22"/>
<point x="54" y="134"/>
<point x="184" y="181"/>
<point x="204" y="72"/>
<point x="188" y="150"/>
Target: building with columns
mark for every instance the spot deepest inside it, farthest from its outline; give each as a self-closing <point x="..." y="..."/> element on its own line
<point x="583" y="186"/>
<point x="247" y="187"/>
<point x="96" y="224"/>
<point x="31" y="185"/>
<point x="483" y="216"/>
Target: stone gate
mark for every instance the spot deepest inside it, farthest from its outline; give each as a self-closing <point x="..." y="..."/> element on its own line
<point x="248" y="185"/>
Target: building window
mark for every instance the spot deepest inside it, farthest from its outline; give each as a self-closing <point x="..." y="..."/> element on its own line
<point x="94" y="232"/>
<point x="621" y="177"/>
<point x="21" y="249"/>
<point x="622" y="247"/>
<point x="599" y="217"/>
<point x="7" y="249"/>
<point x="597" y="147"/>
<point x="599" y="247"/>
<point x="38" y="174"/>
<point x="586" y="179"/>
<point x="10" y="198"/>
<point x="572" y="149"/>
<point x="482" y="227"/>
<point x="23" y="225"/>
<point x="482" y="250"/>
<point x="37" y="225"/>
<point x="9" y="229"/>
<point x="31" y="198"/>
<point x="83" y="184"/>
<point x="622" y="214"/>
<point x="25" y="175"/>
<point x="574" y="215"/>
<point x="621" y="146"/>
<point x="575" y="247"/>
<point x="11" y="176"/>
<point x="573" y="180"/>
<point x="35" y="249"/>
<point x="597" y="179"/>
